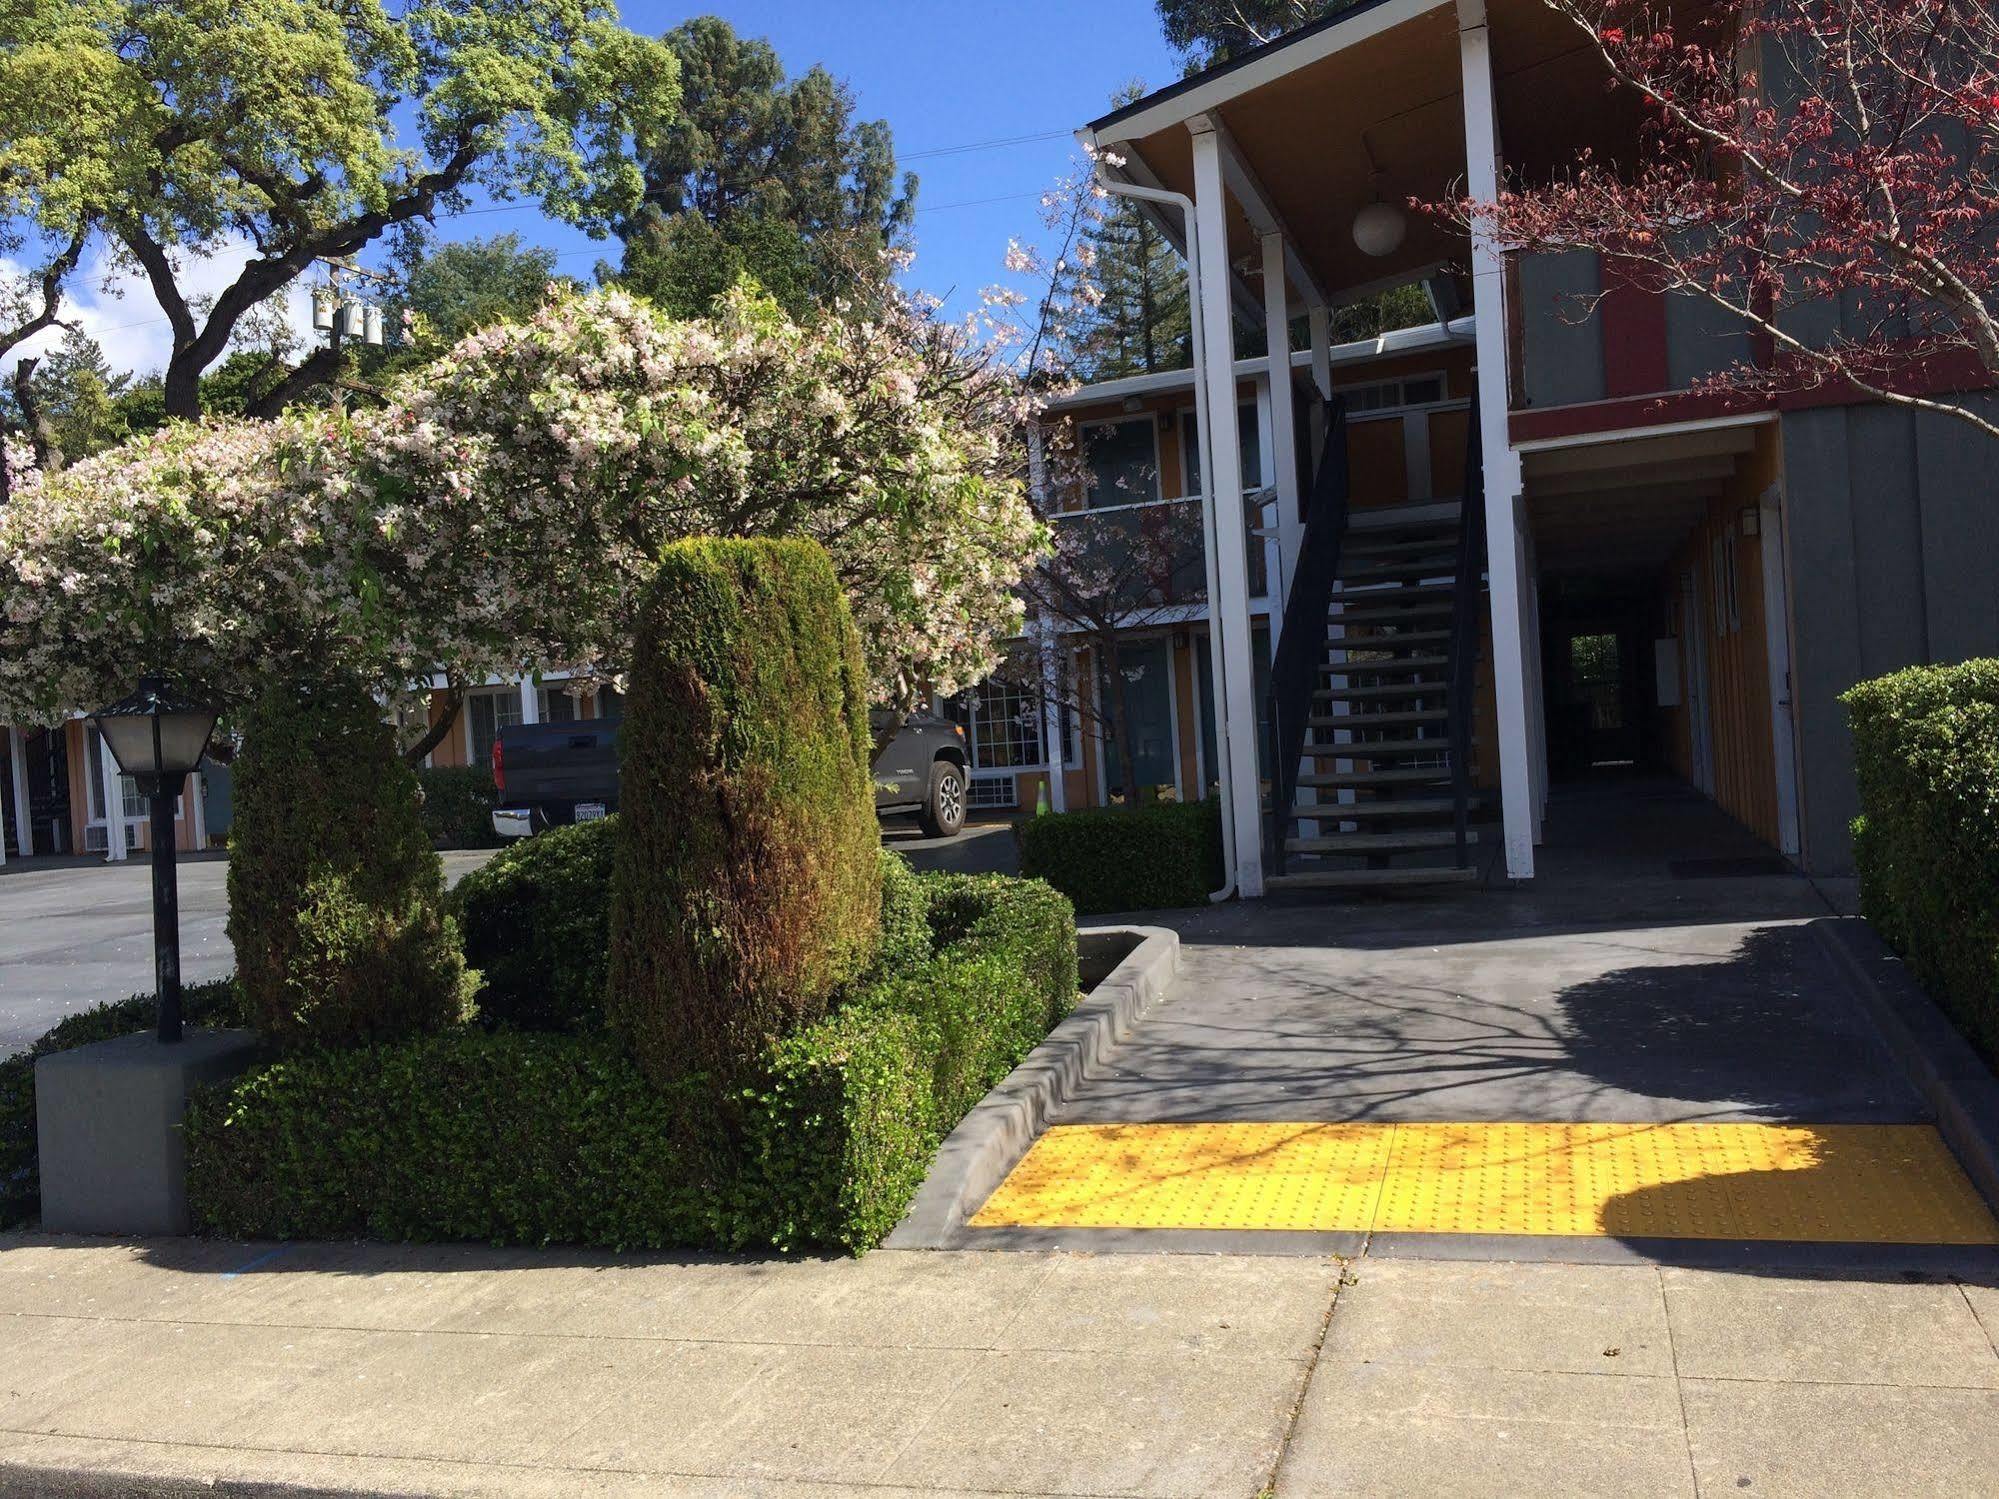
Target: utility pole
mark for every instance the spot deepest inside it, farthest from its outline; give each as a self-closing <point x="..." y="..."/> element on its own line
<point x="339" y="312"/>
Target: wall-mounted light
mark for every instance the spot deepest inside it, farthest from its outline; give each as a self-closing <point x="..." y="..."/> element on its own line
<point x="1133" y="405"/>
<point x="1752" y="520"/>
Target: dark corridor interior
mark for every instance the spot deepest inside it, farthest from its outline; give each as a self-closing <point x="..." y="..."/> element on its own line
<point x="1598" y="667"/>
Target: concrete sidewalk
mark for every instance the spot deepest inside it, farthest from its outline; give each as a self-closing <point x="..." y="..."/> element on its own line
<point x="175" y="1365"/>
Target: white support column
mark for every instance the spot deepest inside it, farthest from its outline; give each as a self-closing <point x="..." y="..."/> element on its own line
<point x="1051" y="716"/>
<point x="1283" y="426"/>
<point x="530" y="701"/>
<point x="17" y="760"/>
<point x="197" y="812"/>
<point x="1537" y="690"/>
<point x="114" y="804"/>
<point x="1320" y="321"/>
<point x="1505" y="517"/>
<point x="1222" y="450"/>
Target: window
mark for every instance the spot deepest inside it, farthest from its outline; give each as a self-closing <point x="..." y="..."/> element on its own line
<point x="1393" y="395"/>
<point x="990" y="793"/>
<point x="131" y="805"/>
<point x="610" y="703"/>
<point x="557" y="706"/>
<point x="486" y="713"/>
<point x="1122" y="459"/>
<point x="1003" y="726"/>
<point x="1248" y="433"/>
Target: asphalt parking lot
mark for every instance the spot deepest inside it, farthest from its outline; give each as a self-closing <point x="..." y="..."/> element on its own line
<point x="74" y="933"/>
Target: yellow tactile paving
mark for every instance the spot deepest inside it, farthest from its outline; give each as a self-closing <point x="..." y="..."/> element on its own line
<point x="1833" y="1183"/>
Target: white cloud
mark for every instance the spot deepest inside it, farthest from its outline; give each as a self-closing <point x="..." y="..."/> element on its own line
<point x="116" y="306"/>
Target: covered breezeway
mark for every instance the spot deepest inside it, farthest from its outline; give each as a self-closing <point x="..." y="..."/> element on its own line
<point x="1659" y="596"/>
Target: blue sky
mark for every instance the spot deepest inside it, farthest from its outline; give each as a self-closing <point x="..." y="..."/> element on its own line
<point x="944" y="74"/>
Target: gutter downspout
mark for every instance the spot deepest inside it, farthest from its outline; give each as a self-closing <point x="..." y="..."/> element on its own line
<point x="1185" y="204"/>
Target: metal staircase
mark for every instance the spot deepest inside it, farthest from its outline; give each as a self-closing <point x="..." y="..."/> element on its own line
<point x="1371" y="699"/>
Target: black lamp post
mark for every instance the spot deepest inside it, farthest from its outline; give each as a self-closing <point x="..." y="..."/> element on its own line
<point x="158" y="739"/>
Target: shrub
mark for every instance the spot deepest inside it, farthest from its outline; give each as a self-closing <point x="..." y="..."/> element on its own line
<point x="747" y="880"/>
<point x="536" y="920"/>
<point x="1926" y="847"/>
<point x="905" y="915"/>
<point x="517" y="1137"/>
<point x="1141" y="859"/>
<point x="505" y="1136"/>
<point x="458" y="803"/>
<point x="1027" y="922"/>
<point x="213" y="1003"/>
<point x="335" y="894"/>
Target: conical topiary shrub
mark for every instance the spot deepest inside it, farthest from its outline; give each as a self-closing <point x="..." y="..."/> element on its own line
<point x="335" y="894"/>
<point x="747" y="882"/>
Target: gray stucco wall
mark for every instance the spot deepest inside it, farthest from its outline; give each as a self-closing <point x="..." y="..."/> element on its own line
<point x="1561" y="356"/>
<point x="1892" y="522"/>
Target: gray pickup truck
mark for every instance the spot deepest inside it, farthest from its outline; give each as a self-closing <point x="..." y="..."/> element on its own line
<point x="552" y="774"/>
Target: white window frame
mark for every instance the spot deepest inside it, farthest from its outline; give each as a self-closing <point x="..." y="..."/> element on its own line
<point x="1444" y="397"/>
<point x="512" y="693"/>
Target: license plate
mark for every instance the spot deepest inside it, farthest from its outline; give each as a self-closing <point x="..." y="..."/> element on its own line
<point x="589" y="811"/>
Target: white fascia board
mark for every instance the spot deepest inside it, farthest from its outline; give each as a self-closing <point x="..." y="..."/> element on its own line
<point x="1634" y="434"/>
<point x="1229" y="83"/>
<point x="1459" y="331"/>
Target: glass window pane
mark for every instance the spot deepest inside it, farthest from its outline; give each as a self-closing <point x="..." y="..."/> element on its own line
<point x="1123" y="462"/>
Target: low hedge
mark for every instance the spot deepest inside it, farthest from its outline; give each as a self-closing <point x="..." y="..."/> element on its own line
<point x="536" y="920"/>
<point x="508" y="1137"/>
<point x="513" y="1136"/>
<point x="458" y="802"/>
<point x="1926" y="846"/>
<point x="1137" y="859"/>
<point x="209" y="1004"/>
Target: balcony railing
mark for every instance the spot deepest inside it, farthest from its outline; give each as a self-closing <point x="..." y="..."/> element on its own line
<point x="1152" y="552"/>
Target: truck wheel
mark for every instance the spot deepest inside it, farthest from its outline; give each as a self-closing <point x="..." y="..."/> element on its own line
<point x="943" y="812"/>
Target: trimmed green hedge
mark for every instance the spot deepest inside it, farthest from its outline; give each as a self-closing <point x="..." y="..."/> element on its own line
<point x="512" y="1136"/>
<point x="1926" y="742"/>
<point x="211" y="1004"/>
<point x="506" y="1136"/>
<point x="336" y="898"/>
<point x="1137" y="859"/>
<point x="458" y="802"/>
<point x="537" y="925"/>
<point x="747" y="890"/>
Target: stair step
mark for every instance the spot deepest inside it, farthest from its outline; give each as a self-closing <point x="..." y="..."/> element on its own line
<point x="1396" y="666"/>
<point x="1361" y="779"/>
<point x="1364" y="721"/>
<point x="1415" y="567"/>
<point x="1444" y="545"/>
<point x="1394" y="642"/>
<point x="1351" y="879"/>
<point x="1411" y="806"/>
<point x="1431" y="515"/>
<point x="1378" y="749"/>
<point x="1388" y="595"/>
<point x="1412" y="613"/>
<point x="1380" y="691"/>
<point x="1378" y="843"/>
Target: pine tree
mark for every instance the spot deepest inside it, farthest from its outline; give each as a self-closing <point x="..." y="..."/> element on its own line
<point x="1208" y="32"/>
<point x="763" y="177"/>
<point x="1141" y="323"/>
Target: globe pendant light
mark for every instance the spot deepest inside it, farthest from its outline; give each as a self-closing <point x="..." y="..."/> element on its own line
<point x="1378" y="229"/>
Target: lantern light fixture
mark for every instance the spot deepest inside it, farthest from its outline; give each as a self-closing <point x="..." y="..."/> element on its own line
<point x="158" y="738"/>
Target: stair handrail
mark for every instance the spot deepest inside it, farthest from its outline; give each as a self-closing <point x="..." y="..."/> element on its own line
<point x="1463" y="669"/>
<point x="1301" y="643"/>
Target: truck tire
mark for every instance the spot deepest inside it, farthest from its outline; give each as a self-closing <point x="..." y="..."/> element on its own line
<point x="943" y="810"/>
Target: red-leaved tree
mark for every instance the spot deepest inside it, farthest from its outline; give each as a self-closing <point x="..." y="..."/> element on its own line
<point x="1826" y="171"/>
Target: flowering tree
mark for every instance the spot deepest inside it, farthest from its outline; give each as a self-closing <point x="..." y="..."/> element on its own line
<point x="1803" y="154"/>
<point x="503" y="509"/>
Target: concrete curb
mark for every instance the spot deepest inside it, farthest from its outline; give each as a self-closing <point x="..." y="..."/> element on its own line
<point x="1957" y="1085"/>
<point x="977" y="1155"/>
